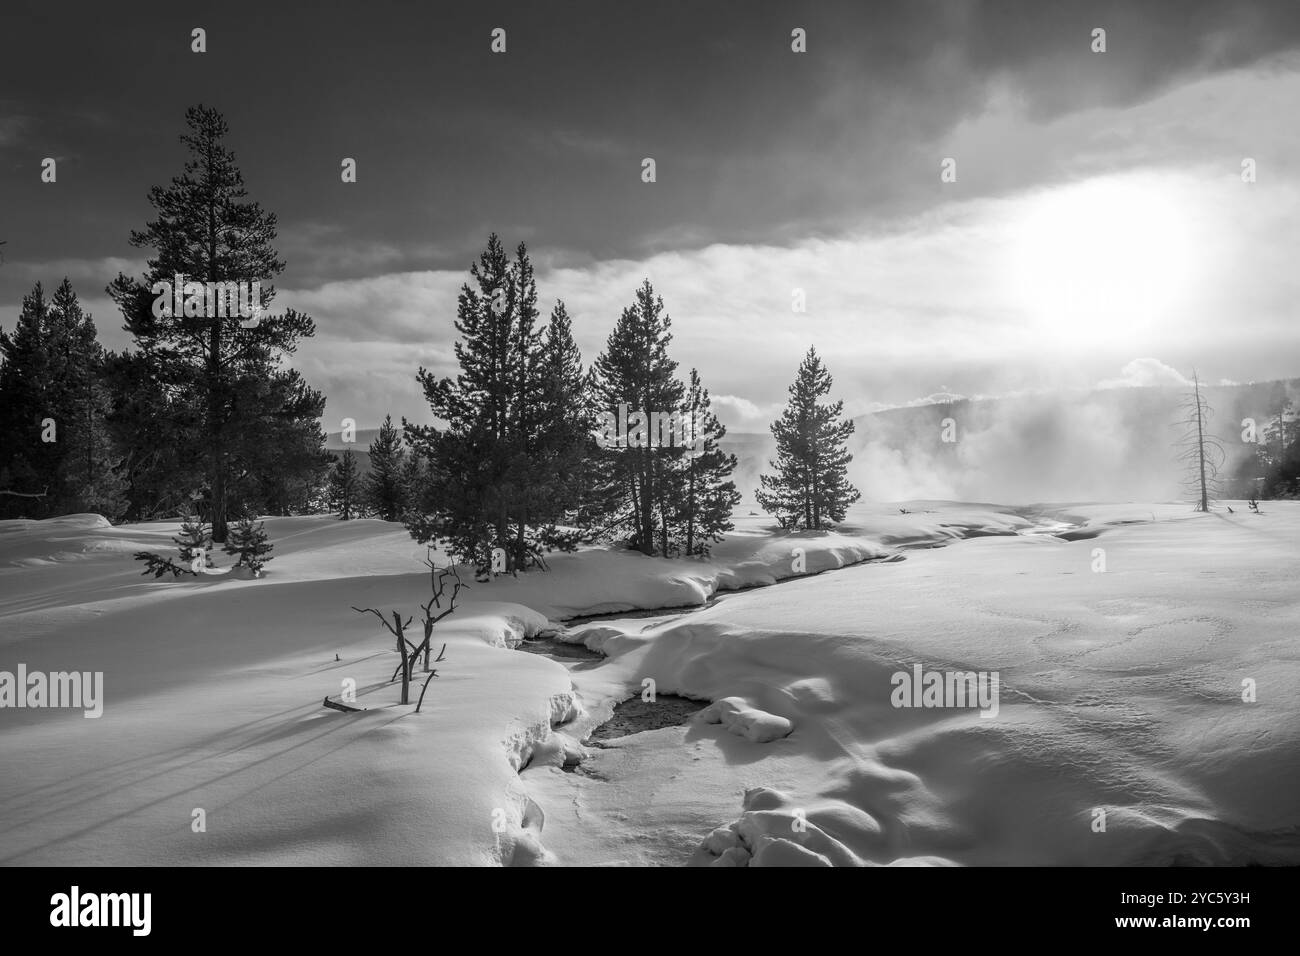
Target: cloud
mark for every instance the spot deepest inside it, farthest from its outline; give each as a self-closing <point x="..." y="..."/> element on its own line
<point x="982" y="288"/>
<point x="741" y="415"/>
<point x="1146" y="373"/>
<point x="932" y="305"/>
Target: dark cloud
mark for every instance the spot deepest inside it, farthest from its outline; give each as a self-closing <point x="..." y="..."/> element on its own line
<point x="753" y="143"/>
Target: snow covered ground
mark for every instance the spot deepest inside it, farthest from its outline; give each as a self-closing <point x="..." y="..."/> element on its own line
<point x="1120" y="736"/>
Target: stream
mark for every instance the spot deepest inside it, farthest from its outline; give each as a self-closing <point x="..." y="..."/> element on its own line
<point x="597" y="807"/>
<point x="633" y="715"/>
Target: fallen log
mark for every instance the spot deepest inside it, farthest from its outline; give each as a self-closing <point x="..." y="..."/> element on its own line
<point x="338" y="705"/>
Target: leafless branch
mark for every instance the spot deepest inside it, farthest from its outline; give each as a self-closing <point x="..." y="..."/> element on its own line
<point x="25" y="494"/>
<point x="396" y="629"/>
<point x="432" y="675"/>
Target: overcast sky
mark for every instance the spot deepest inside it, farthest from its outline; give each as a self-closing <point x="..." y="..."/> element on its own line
<point x="1099" y="230"/>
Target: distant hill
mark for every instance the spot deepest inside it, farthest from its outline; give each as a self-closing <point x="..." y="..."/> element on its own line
<point x="360" y="448"/>
<point x="334" y="440"/>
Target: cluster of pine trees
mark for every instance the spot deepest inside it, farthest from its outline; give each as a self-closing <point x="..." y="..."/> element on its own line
<point x="387" y="490"/>
<point x="201" y="411"/>
<point x="58" y="456"/>
<point x="514" y="469"/>
<point x="203" y="416"/>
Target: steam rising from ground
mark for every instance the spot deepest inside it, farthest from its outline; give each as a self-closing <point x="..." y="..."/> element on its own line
<point x="1054" y="448"/>
<point x="1108" y="445"/>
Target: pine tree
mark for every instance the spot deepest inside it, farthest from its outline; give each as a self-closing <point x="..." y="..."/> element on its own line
<point x="528" y="426"/>
<point x="385" y="491"/>
<point x="476" y="494"/>
<point x="89" y="476"/>
<point x="345" y="486"/>
<point x="223" y="379"/>
<point x="414" y="478"/>
<point x="810" y="489"/>
<point x="639" y="481"/>
<point x="27" y="465"/>
<point x="51" y="378"/>
<point x="564" y="445"/>
<point x="248" y="540"/>
<point x="194" y="541"/>
<point x="703" y="512"/>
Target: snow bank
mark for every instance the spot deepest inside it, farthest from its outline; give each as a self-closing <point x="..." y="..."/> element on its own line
<point x="1121" y="693"/>
<point x="1146" y="713"/>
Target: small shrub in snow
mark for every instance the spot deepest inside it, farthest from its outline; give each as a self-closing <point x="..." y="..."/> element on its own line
<point x="248" y="541"/>
<point x="410" y="653"/>
<point x="195" y="542"/>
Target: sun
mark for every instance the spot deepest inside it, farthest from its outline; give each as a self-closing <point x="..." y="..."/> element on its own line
<point x="1105" y="259"/>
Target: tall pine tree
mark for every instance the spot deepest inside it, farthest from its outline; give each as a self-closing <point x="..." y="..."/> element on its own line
<point x="564" y="444"/>
<point x="702" y="511"/>
<point x="476" y="498"/>
<point x="223" y="378"/>
<point x="810" y="489"/>
<point x="90" y="481"/>
<point x="639" y="482"/>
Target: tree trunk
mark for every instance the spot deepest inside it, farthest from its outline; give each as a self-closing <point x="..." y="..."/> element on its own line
<point x="663" y="531"/>
<point x="690" y="512"/>
<point x="1200" y="444"/>
<point x="521" y="548"/>
<point x="406" y="667"/>
<point x="647" y="532"/>
<point x="214" y="385"/>
<point x="807" y="501"/>
<point x="502" y="531"/>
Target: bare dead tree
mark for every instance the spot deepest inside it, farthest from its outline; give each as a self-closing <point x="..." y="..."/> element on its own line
<point x="396" y="628"/>
<point x="1200" y="452"/>
<point x="434" y="611"/>
<point x="438" y="578"/>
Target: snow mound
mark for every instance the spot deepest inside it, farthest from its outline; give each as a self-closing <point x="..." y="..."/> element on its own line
<point x="503" y="624"/>
<point x="754" y="725"/>
<point x="773" y="832"/>
<point x="29" y="542"/>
